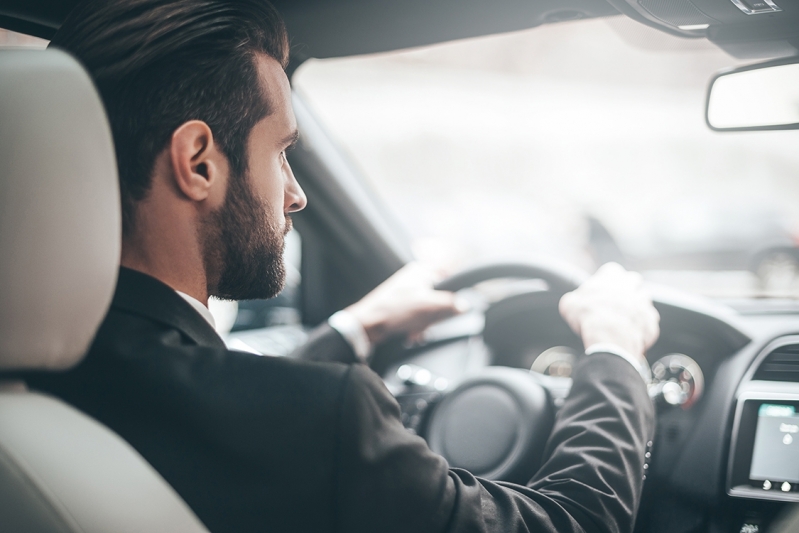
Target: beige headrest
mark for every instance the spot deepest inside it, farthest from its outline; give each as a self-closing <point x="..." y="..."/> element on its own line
<point x="60" y="226"/>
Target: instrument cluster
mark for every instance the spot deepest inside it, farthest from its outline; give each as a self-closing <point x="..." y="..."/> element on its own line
<point x="677" y="379"/>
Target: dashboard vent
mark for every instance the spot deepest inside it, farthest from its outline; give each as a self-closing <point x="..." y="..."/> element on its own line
<point x="780" y="365"/>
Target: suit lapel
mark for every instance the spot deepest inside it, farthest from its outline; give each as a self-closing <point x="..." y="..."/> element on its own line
<point x="146" y="296"/>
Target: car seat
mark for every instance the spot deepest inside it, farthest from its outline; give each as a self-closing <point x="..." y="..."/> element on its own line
<point x="61" y="471"/>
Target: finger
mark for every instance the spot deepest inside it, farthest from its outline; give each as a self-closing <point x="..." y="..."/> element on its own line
<point x="448" y="302"/>
<point x="635" y="279"/>
<point x="610" y="269"/>
<point x="416" y="337"/>
<point x="440" y="314"/>
<point x="566" y="305"/>
<point x="419" y="273"/>
<point x="653" y="331"/>
<point x="429" y="316"/>
<point x="436" y="272"/>
<point x="568" y="310"/>
<point x="462" y="305"/>
<point x="436" y="305"/>
<point x="645" y="293"/>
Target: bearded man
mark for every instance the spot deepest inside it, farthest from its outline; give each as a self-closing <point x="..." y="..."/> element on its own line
<point x="200" y="110"/>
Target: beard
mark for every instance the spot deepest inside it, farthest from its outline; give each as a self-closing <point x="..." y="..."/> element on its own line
<point x="243" y="247"/>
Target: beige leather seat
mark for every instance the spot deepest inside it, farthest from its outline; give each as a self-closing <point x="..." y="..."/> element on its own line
<point x="61" y="471"/>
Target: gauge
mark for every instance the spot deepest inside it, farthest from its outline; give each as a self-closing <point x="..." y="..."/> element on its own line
<point x="558" y="362"/>
<point x="677" y="380"/>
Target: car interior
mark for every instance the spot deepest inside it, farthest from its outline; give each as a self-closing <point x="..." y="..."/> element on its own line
<point x="481" y="388"/>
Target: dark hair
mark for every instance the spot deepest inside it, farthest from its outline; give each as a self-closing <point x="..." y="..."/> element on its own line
<point x="160" y="63"/>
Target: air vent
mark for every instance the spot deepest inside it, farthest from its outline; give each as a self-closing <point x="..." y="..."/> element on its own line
<point x="780" y="365"/>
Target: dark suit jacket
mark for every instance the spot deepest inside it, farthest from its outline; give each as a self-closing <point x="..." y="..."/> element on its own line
<point x="285" y="444"/>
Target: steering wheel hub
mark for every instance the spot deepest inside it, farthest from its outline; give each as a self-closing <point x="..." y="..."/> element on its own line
<point x="494" y="425"/>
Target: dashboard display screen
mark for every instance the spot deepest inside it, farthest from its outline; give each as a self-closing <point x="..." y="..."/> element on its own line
<point x="775" y="455"/>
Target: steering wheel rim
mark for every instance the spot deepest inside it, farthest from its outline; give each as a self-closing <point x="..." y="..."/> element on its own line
<point x="559" y="277"/>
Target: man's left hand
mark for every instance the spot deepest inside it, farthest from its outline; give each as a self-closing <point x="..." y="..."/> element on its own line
<point x="405" y="304"/>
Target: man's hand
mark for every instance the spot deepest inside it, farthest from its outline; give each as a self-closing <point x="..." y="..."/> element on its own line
<point x="613" y="306"/>
<point x="404" y="304"/>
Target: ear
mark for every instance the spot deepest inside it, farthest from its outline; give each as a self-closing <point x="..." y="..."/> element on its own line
<point x="198" y="166"/>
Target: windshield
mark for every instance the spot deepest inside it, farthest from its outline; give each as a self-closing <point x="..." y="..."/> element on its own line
<point x="584" y="142"/>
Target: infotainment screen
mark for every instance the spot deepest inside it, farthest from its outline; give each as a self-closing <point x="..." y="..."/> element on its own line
<point x="775" y="456"/>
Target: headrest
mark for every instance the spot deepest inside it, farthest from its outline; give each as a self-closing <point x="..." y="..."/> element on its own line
<point x="60" y="226"/>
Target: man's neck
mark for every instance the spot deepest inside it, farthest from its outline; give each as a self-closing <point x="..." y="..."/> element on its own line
<point x="165" y="239"/>
<point x="194" y="286"/>
<point x="169" y="259"/>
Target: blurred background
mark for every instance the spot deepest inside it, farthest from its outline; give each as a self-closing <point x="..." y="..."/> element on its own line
<point x="583" y="141"/>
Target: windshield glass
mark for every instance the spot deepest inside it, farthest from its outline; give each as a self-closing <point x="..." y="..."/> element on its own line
<point x="581" y="141"/>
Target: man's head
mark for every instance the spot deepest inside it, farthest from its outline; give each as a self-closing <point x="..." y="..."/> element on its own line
<point x="201" y="115"/>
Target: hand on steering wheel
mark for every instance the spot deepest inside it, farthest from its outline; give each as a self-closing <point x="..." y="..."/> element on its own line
<point x="613" y="307"/>
<point x="405" y="305"/>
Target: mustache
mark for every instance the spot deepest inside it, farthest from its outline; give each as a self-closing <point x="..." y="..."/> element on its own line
<point x="288" y="226"/>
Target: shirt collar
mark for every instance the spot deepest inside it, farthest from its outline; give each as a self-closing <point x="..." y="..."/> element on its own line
<point x="144" y="295"/>
<point x="199" y="307"/>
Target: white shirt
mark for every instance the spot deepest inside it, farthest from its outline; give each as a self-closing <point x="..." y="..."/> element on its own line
<point x="199" y="307"/>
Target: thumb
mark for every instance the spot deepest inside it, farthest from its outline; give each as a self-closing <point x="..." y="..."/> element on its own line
<point x="444" y="304"/>
<point x="440" y="305"/>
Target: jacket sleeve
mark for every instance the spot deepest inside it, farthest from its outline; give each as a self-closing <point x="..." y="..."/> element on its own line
<point x="325" y="344"/>
<point x="591" y="479"/>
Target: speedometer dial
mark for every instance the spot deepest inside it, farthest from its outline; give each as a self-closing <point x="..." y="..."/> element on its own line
<point x="677" y="380"/>
<point x="558" y="362"/>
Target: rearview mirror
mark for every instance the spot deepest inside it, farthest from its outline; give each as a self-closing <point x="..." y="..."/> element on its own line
<point x="756" y="97"/>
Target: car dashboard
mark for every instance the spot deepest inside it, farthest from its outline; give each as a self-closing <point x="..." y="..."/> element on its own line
<point x="724" y="383"/>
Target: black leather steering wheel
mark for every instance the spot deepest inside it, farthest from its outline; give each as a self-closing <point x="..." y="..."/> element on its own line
<point x="495" y="424"/>
<point x="560" y="278"/>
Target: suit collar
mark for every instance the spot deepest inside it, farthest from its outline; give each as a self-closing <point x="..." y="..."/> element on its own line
<point x="146" y="296"/>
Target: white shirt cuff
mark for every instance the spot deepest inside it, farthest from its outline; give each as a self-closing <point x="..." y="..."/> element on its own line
<point x="353" y="332"/>
<point x="606" y="347"/>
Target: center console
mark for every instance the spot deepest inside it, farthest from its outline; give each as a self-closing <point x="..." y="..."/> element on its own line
<point x="764" y="454"/>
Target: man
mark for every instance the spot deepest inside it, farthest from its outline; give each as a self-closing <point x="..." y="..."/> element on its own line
<point x="201" y="114"/>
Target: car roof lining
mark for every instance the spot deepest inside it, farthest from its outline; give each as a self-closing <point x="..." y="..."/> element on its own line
<point x="338" y="28"/>
<point x="327" y="28"/>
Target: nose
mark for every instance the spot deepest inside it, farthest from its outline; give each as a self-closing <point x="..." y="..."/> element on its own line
<point x="295" y="199"/>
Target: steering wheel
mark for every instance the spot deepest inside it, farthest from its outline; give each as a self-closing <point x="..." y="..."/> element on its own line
<point x="496" y="423"/>
<point x="560" y="278"/>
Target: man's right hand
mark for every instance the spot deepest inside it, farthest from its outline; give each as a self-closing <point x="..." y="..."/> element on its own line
<point x="613" y="307"/>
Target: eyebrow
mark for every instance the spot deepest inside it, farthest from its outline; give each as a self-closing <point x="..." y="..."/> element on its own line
<point x="291" y="139"/>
